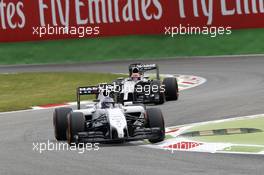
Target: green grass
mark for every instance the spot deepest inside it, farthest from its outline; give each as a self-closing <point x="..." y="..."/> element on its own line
<point x="251" y="149"/>
<point x="255" y="138"/>
<point x="250" y="138"/>
<point x="131" y="47"/>
<point x="23" y="90"/>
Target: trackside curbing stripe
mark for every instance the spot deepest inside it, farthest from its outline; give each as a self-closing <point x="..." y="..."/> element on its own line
<point x="176" y="142"/>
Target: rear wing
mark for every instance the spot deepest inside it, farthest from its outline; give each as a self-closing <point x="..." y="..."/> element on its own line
<point x="103" y="89"/>
<point x="142" y="68"/>
<point x="88" y="90"/>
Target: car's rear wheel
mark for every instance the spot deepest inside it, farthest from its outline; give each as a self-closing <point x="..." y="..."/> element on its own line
<point x="76" y="124"/>
<point x="60" y="122"/>
<point x="171" y="88"/>
<point x="155" y="120"/>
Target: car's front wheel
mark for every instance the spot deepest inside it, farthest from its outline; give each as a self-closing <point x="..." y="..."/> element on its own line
<point x="161" y="94"/>
<point x="60" y="122"/>
<point x="76" y="124"/>
<point x="156" y="120"/>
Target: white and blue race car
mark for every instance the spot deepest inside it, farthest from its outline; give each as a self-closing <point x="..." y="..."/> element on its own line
<point x="107" y="121"/>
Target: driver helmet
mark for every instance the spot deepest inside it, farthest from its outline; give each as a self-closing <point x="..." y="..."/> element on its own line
<point x="135" y="75"/>
<point x="107" y="102"/>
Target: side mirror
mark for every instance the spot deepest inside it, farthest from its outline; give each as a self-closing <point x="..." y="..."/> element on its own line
<point x="146" y="77"/>
<point x="128" y="103"/>
<point x="120" y="78"/>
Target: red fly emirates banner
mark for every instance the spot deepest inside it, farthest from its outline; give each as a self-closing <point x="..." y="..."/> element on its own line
<point x="22" y="20"/>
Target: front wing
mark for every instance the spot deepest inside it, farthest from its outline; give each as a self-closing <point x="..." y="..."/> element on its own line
<point x="98" y="137"/>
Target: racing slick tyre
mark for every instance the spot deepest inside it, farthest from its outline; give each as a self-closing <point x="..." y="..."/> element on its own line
<point x="117" y="95"/>
<point x="162" y="97"/>
<point x="155" y="120"/>
<point x="76" y="124"/>
<point x="171" y="88"/>
<point x="60" y="122"/>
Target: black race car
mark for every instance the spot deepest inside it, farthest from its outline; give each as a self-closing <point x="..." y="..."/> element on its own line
<point x="141" y="88"/>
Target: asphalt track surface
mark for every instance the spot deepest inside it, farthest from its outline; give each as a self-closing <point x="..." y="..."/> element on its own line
<point x="234" y="87"/>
